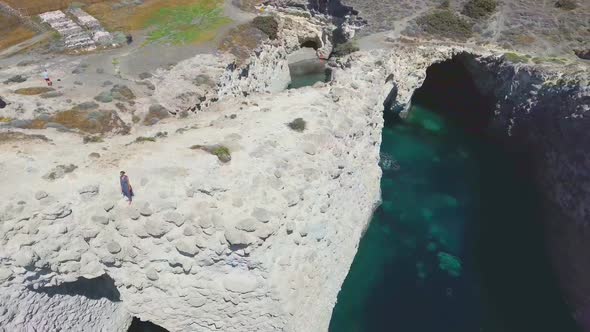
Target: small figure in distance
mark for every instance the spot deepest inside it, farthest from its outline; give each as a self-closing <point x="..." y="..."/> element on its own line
<point x="126" y="188"/>
<point x="46" y="77"/>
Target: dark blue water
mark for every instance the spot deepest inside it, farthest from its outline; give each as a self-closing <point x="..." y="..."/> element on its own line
<point x="457" y="243"/>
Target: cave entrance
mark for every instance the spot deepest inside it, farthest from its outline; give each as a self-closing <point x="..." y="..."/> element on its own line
<point x="450" y="90"/>
<point x="138" y="325"/>
<point x="310" y="44"/>
<point x="457" y="244"/>
<point x="305" y="68"/>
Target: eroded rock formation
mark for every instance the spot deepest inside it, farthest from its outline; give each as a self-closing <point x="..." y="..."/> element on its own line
<point x="264" y="241"/>
<point x="540" y="109"/>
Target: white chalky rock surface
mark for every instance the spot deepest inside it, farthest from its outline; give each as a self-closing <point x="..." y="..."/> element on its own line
<point x="261" y="243"/>
<point x="205" y="246"/>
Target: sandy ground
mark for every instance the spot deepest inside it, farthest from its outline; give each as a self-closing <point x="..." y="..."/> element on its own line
<point x="79" y="78"/>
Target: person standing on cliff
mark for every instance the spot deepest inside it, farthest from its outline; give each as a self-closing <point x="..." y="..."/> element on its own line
<point x="46" y="77"/>
<point x="126" y="188"/>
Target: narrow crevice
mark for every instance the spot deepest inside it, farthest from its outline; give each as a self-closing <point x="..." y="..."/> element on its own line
<point x="95" y="288"/>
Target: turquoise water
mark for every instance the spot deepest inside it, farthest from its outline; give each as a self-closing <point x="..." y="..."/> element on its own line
<point x="456" y="244"/>
<point x="307" y="73"/>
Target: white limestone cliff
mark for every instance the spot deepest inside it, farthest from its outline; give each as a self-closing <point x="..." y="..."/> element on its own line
<point x="255" y="244"/>
<point x="260" y="243"/>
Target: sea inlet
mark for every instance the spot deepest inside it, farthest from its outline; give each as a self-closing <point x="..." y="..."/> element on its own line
<point x="457" y="244"/>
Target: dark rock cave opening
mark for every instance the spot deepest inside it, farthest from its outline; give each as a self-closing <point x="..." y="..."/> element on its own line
<point x="505" y="239"/>
<point x="138" y="325"/>
<point x="310" y="44"/>
<point x="449" y="89"/>
<point x="459" y="242"/>
<point x="94" y="288"/>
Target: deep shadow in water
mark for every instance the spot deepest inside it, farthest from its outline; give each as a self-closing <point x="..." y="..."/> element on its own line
<point x="457" y="244"/>
<point x="518" y="284"/>
<point x="137" y="325"/>
<point x="506" y="234"/>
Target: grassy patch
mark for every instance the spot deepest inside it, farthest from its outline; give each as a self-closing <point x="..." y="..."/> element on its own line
<point x="222" y="152"/>
<point x="555" y="60"/>
<point x="515" y="58"/>
<point x="297" y="124"/>
<point x="12" y="136"/>
<point x="479" y="8"/>
<point x="142" y="139"/>
<point x="187" y="24"/>
<point x="445" y="23"/>
<point x="92" y="139"/>
<point x="32" y="91"/>
<point x="12" y="32"/>
<point x="92" y="122"/>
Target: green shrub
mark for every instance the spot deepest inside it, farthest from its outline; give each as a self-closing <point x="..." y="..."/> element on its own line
<point x="515" y="58"/>
<point x="479" y="8"/>
<point x="297" y="124"/>
<point x="268" y="25"/>
<point x="445" y="23"/>
<point x="222" y="152"/>
<point x="142" y="139"/>
<point x="92" y="139"/>
<point x="345" y="48"/>
<point x="566" y="4"/>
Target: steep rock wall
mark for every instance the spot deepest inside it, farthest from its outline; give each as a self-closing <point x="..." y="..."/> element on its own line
<point x="543" y="109"/>
<point x="548" y="114"/>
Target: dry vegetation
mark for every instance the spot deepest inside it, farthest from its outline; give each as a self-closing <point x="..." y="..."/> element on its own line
<point x="13" y="136"/>
<point x="241" y="41"/>
<point x="478" y="9"/>
<point x="33" y="7"/>
<point x="33" y="91"/>
<point x="445" y="23"/>
<point x="12" y="31"/>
